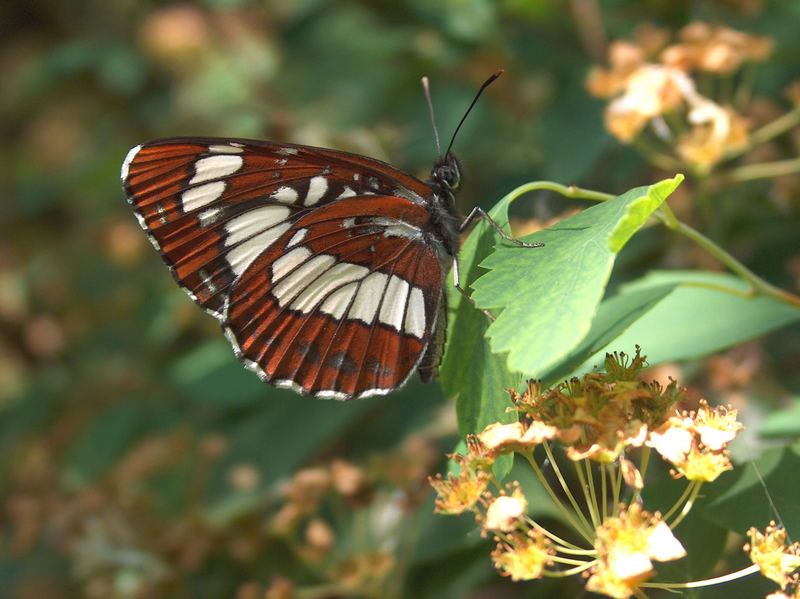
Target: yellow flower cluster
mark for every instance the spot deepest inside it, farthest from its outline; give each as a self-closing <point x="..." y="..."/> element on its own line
<point x="650" y="83"/>
<point x="596" y="419"/>
<point x="599" y="415"/>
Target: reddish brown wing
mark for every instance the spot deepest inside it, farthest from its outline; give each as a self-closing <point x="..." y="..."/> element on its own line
<point x="344" y="304"/>
<point x="211" y="206"/>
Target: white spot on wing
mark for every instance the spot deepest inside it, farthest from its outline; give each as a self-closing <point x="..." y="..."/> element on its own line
<point x="316" y="189"/>
<point x="208" y="217"/>
<point x="242" y="255"/>
<point x="346" y="193"/>
<point x="394" y="303"/>
<point x="337" y="302"/>
<point x="286" y="263"/>
<point x="223" y="149"/>
<point x="202" y="195"/>
<point x="285" y="194"/>
<point x="215" y="167"/>
<point x="301" y="277"/>
<point x="368" y="298"/>
<point x="415" y="314"/>
<point x="297" y="238"/>
<point x="287" y="151"/>
<point x="319" y="288"/>
<point x="397" y="228"/>
<point x="254" y="221"/>
<point x="126" y="164"/>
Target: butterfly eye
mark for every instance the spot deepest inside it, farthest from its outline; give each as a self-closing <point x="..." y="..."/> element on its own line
<point x="448" y="175"/>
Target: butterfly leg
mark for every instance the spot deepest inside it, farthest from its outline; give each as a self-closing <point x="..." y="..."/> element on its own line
<point x="462" y="291"/>
<point x="479" y="212"/>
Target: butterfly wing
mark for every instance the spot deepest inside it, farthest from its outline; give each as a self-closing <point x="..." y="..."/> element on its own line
<point x="232" y="220"/>
<point x="195" y="198"/>
<point x="344" y="304"/>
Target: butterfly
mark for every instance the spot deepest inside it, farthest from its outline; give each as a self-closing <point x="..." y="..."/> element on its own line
<point x="326" y="269"/>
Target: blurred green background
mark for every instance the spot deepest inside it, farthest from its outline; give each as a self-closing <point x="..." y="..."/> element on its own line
<point x="138" y="458"/>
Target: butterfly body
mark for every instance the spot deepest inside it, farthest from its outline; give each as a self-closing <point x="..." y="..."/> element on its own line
<point x="326" y="269"/>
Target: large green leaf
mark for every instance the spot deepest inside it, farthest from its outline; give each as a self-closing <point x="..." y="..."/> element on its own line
<point x="696" y="319"/>
<point x="470" y="371"/>
<point x="547" y="298"/>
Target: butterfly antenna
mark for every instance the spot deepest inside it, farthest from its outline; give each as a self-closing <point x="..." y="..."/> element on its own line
<point x="486" y="84"/>
<point x="426" y="86"/>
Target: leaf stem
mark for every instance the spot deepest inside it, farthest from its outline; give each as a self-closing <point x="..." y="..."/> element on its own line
<point x="758" y="286"/>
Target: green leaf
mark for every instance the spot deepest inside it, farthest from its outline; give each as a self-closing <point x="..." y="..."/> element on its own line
<point x="696" y="319"/>
<point x="614" y="316"/>
<point x="785" y="423"/>
<point x="547" y="298"/>
<point x="470" y="372"/>
<point x="759" y="491"/>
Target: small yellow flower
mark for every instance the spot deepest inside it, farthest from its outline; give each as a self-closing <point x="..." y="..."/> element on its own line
<point x="523" y="556"/>
<point x="627" y="546"/>
<point x="703" y="465"/>
<point x="673" y="440"/>
<point x="500" y="438"/>
<point x="506" y="511"/>
<point x="651" y="91"/>
<point x="776" y="560"/>
<point x="537" y="433"/>
<point x="457" y="494"/>
<point x="717" y="427"/>
<point x="715" y="132"/>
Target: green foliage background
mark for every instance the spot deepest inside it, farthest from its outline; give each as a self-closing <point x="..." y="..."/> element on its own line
<point x="102" y="356"/>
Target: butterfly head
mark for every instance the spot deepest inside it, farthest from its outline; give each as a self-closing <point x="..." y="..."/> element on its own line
<point x="446" y="174"/>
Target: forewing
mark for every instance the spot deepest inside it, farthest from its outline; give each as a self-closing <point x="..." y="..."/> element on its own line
<point x="212" y="206"/>
<point x="344" y="304"/>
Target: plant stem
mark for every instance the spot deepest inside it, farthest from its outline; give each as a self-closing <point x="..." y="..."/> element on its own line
<point x="577" y="524"/>
<point x="702" y="583"/>
<point x="758" y="285"/>
<point x="643" y="470"/>
<point x="679" y="502"/>
<point x="771" y="130"/>
<point x="604" y="491"/>
<point x="764" y="170"/>
<point x="570" y="572"/>
<point x="616" y="475"/>
<point x="565" y="486"/>
<point x="564" y="546"/>
<point x="687" y="506"/>
<point x="597" y="517"/>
